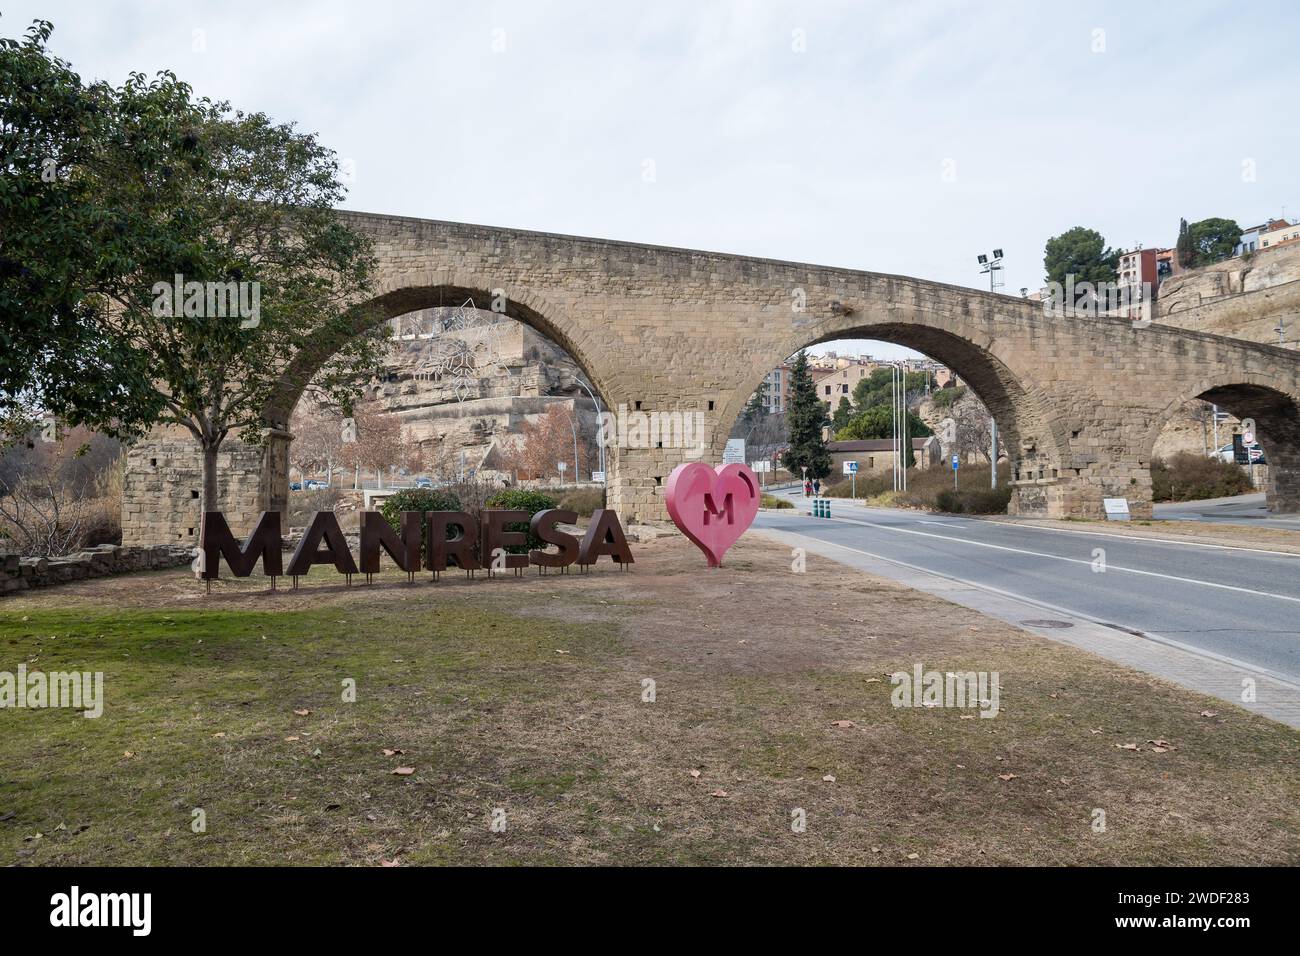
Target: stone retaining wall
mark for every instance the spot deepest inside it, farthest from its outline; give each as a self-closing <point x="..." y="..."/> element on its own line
<point x="19" y="574"/>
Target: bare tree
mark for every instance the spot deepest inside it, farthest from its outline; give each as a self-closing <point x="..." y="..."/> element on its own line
<point x="318" y="438"/>
<point x="376" y="442"/>
<point x="50" y="502"/>
<point x="971" y="430"/>
<point x="547" y="441"/>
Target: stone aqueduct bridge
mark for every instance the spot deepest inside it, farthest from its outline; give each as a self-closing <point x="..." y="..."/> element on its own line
<point x="1079" y="401"/>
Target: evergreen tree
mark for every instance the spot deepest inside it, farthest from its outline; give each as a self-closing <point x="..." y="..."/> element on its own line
<point x="1082" y="254"/>
<point x="1185" y="249"/>
<point x="805" y="415"/>
<point x="842" y="414"/>
<point x="756" y="407"/>
<point x="878" y="422"/>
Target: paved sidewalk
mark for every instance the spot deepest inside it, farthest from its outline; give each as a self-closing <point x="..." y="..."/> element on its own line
<point x="1197" y="670"/>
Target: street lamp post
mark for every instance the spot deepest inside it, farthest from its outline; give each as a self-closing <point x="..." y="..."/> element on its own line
<point x="991" y="266"/>
<point x="577" y="475"/>
<point x="600" y="445"/>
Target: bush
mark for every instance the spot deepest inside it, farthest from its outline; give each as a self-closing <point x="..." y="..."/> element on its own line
<point x="582" y="501"/>
<point x="771" y="501"/>
<point x="419" y="499"/>
<point x="1190" y="477"/>
<point x="983" y="501"/>
<point x="931" y="489"/>
<point x="945" y="398"/>
<point x="521" y="499"/>
<point x="868" y="485"/>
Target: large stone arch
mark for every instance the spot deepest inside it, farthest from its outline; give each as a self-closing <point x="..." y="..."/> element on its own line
<point x="1033" y="435"/>
<point x="409" y="292"/>
<point x="1276" y="411"/>
<point x="397" y="295"/>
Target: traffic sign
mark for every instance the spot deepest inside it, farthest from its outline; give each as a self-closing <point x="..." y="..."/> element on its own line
<point x="850" y="467"/>
<point x="955" y="462"/>
<point x="1239" y="453"/>
<point x="1116" y="509"/>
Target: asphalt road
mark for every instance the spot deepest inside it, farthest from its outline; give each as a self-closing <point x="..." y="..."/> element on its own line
<point x="1239" y="604"/>
<point x="1247" y="510"/>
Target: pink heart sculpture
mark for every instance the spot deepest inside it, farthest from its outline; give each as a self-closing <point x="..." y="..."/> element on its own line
<point x="713" y="507"/>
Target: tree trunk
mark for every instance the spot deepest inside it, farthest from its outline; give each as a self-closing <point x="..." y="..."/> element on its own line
<point x="210" y="502"/>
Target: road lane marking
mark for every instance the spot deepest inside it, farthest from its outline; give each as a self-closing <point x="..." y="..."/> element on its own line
<point x="1057" y="557"/>
<point x="1139" y="537"/>
<point x="1056" y="609"/>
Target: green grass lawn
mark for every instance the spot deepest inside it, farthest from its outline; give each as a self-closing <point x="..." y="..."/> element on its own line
<point x="525" y="695"/>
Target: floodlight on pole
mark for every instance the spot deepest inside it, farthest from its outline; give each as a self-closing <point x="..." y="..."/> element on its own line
<point x="992" y="268"/>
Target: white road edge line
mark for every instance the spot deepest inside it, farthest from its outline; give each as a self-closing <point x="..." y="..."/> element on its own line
<point x="1057" y="609"/>
<point x="1142" y="537"/>
<point x="1057" y="557"/>
<point x="1100" y="534"/>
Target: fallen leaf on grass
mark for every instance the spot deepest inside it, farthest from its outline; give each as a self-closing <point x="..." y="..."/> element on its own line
<point x="290" y="739"/>
<point x="843" y="723"/>
<point x="219" y="734"/>
<point x="1161" y="746"/>
<point x="1209" y="713"/>
<point x="128" y="753"/>
<point x="1128" y="746"/>
<point x="917" y="856"/>
<point x="693" y="773"/>
<point x="829" y="778"/>
<point x="302" y="713"/>
<point x="404" y="771"/>
<point x="390" y="862"/>
<point x="718" y="793"/>
<point x="393" y="751"/>
<point x="872" y="680"/>
<point x="1007" y="776"/>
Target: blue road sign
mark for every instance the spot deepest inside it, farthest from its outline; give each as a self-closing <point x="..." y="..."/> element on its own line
<point x="955" y="462"/>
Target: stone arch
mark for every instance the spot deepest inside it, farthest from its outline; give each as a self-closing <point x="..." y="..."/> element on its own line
<point x="1276" y="411"/>
<point x="396" y="296"/>
<point x="410" y="292"/>
<point x="1034" y="437"/>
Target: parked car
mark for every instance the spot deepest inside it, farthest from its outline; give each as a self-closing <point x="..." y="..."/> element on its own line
<point x="423" y="482"/>
<point x="314" y="484"/>
<point x="295" y="486"/>
<point x="1256" y="454"/>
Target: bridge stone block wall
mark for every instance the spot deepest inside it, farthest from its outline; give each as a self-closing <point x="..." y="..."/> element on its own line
<point x="1079" y="401"/>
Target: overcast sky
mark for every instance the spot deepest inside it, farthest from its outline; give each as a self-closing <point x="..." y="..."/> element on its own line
<point x="895" y="137"/>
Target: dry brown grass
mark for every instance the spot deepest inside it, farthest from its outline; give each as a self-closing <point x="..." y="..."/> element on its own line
<point x="526" y="694"/>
